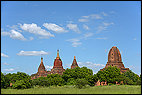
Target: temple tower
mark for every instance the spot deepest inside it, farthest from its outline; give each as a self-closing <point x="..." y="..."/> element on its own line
<point x="41" y="67"/>
<point x="41" y="71"/>
<point x="74" y="63"/>
<point x="57" y="68"/>
<point x="114" y="59"/>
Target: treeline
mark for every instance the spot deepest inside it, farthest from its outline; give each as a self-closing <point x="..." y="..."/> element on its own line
<point x="79" y="77"/>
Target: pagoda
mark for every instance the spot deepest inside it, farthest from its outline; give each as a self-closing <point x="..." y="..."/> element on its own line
<point x="114" y="59"/>
<point x="41" y="71"/>
<point x="74" y="63"/>
<point x="57" y="68"/>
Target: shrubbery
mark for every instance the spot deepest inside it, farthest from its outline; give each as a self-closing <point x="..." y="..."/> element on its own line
<point x="80" y="83"/>
<point x="70" y="75"/>
<point x="22" y="84"/>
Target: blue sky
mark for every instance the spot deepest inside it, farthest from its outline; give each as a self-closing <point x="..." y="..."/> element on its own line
<point x="85" y="29"/>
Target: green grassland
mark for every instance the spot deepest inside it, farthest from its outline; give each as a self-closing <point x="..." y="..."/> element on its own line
<point x="113" y="89"/>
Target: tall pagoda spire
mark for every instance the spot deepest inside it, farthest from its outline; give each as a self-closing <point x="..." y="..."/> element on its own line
<point x="57" y="54"/>
<point x="74" y="63"/>
<point x="41" y="59"/>
<point x="41" y="66"/>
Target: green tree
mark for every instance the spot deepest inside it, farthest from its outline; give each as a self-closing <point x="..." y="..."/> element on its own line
<point x="22" y="84"/>
<point x="79" y="73"/>
<point x="55" y="79"/>
<point x="110" y="74"/>
<point x="19" y="76"/>
<point x="71" y="81"/>
<point x="4" y="81"/>
<point x="132" y="76"/>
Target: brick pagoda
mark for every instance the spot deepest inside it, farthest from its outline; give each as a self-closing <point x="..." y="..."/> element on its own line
<point x="57" y="68"/>
<point x="41" y="71"/>
<point x="114" y="59"/>
<point x="74" y="63"/>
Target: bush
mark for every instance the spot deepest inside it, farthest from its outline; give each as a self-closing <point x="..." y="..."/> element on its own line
<point x="55" y="79"/>
<point x="19" y="84"/>
<point x="35" y="82"/>
<point x="80" y="83"/>
<point x="22" y="84"/>
<point x="138" y="82"/>
<point x="4" y="81"/>
<point x="71" y="81"/>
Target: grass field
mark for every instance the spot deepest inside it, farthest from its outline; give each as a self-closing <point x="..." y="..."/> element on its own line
<point x="114" y="89"/>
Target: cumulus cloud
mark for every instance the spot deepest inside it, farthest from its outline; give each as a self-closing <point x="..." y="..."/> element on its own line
<point x="54" y="27"/>
<point x="14" y="34"/>
<point x="9" y="70"/>
<point x="85" y="27"/>
<point x="4" y="55"/>
<point x="73" y="27"/>
<point x="32" y="53"/>
<point x="34" y="29"/>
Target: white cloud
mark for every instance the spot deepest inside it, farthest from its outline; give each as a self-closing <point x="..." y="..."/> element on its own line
<point x="14" y="27"/>
<point x="11" y="69"/>
<point x="101" y="28"/>
<point x="89" y="17"/>
<point x="89" y="34"/>
<point x="95" y="16"/>
<point x="85" y="16"/>
<point x="83" y="20"/>
<point x="73" y="27"/>
<point x="5" y="63"/>
<point x="54" y="27"/>
<point x="104" y="26"/>
<point x="102" y="38"/>
<point x="14" y="34"/>
<point x="108" y="24"/>
<point x="4" y="55"/>
<point x="32" y="53"/>
<point x="85" y="27"/>
<point x="48" y="67"/>
<point x="75" y="42"/>
<point x="34" y="29"/>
